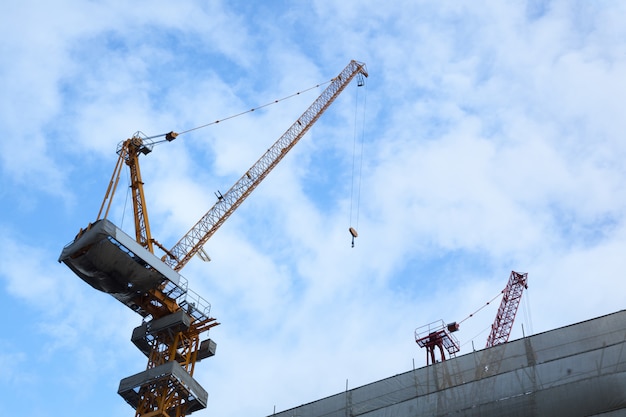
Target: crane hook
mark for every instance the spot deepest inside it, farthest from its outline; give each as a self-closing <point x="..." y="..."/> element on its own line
<point x="353" y="233"/>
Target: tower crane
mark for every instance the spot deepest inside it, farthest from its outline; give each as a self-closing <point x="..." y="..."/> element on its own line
<point x="175" y="318"/>
<point x="439" y="335"/>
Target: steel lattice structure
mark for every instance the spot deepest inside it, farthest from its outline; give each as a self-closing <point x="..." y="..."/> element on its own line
<point x="511" y="297"/>
<point x="192" y="242"/>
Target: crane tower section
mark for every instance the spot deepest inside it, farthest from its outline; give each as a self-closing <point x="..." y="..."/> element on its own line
<point x="511" y="297"/>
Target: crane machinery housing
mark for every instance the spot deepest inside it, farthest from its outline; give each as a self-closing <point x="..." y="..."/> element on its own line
<point x="175" y="318"/>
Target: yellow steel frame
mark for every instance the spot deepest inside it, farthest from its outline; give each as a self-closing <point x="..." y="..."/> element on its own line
<point x="129" y="154"/>
<point x="162" y="398"/>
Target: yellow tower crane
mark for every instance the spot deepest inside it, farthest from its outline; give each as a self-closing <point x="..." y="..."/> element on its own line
<point x="174" y="317"/>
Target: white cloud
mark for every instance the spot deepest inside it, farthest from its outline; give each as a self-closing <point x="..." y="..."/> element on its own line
<point x="493" y="142"/>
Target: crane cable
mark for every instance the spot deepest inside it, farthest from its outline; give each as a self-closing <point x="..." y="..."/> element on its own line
<point x="168" y="136"/>
<point x="526" y="310"/>
<point x="361" y="82"/>
<point x="527" y="313"/>
<point x="488" y="302"/>
<point x="238" y="114"/>
<point x="353" y="230"/>
<point x="472" y="315"/>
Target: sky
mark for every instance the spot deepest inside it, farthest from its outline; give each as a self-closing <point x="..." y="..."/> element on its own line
<point x="489" y="137"/>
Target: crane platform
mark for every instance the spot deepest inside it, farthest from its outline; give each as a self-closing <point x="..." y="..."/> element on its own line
<point x="112" y="262"/>
<point x="173" y="378"/>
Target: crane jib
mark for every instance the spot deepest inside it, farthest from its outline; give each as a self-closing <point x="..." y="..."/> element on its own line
<point x="192" y="242"/>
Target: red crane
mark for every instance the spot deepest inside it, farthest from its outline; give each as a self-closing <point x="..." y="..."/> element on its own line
<point x="438" y="335"/>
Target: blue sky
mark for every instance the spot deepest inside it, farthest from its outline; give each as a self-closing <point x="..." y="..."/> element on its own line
<point x="492" y="140"/>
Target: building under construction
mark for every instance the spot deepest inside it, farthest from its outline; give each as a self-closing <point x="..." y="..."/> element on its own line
<point x="577" y="370"/>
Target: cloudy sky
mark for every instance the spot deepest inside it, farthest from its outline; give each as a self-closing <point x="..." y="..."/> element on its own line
<point x="489" y="137"/>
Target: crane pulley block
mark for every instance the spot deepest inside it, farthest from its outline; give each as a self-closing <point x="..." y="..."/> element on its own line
<point x="170" y="136"/>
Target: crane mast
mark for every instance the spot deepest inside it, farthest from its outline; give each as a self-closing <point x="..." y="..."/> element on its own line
<point x="194" y="240"/>
<point x="175" y="317"/>
<point x="128" y="152"/>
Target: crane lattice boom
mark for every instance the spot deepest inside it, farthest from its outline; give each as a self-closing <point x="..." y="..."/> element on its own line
<point x="194" y="240"/>
<point x="511" y="297"/>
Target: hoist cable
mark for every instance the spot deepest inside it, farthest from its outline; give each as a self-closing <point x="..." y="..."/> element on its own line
<point x="354" y="153"/>
<point x="356" y="109"/>
<point x="475" y="336"/>
<point x="358" y="206"/>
